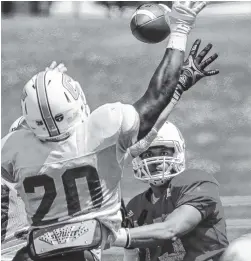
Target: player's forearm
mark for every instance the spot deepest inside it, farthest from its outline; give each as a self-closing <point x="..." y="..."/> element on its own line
<point x="178" y="223"/>
<point x="160" y="90"/>
<point x="143" y="144"/>
<point x="149" y="235"/>
<point x="143" y="236"/>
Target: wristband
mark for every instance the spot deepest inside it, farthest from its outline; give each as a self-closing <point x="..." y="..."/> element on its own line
<point x="176" y="96"/>
<point x="177" y="41"/>
<point x="123" y="238"/>
<point x="128" y="241"/>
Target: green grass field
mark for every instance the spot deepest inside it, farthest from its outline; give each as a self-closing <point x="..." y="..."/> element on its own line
<point x="111" y="65"/>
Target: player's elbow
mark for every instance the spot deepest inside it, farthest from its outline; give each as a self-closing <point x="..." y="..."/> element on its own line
<point x="169" y="233"/>
<point x="165" y="232"/>
<point x="173" y="231"/>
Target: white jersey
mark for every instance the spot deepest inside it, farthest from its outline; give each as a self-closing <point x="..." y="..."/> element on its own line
<point x="75" y="178"/>
<point x="13" y="219"/>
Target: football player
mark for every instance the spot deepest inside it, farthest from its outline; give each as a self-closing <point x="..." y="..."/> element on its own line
<point x="59" y="165"/>
<point x="9" y="195"/>
<point x="18" y="220"/>
<point x="180" y="217"/>
<point x="14" y="224"/>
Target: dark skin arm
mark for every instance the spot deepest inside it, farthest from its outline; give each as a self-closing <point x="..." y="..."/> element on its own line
<point x="160" y="90"/>
<point x="163" y="83"/>
<point x="165" y="79"/>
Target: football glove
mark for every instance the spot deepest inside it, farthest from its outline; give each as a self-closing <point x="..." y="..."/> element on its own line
<point x="22" y="234"/>
<point x="184" y="14"/>
<point x="60" y="68"/>
<point x="194" y="67"/>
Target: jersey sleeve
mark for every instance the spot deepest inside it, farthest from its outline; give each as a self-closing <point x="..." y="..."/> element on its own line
<point x="128" y="135"/>
<point x="118" y="124"/>
<point x="197" y="189"/>
<point x="6" y="159"/>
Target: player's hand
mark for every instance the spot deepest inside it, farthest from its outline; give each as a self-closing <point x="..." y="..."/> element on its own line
<point x="184" y="14"/>
<point x="22" y="234"/>
<point x="54" y="67"/>
<point x="194" y="67"/>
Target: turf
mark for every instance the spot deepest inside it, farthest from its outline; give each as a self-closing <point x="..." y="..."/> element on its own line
<point x="111" y="65"/>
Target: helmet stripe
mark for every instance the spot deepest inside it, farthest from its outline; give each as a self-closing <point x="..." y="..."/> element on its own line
<point x="44" y="106"/>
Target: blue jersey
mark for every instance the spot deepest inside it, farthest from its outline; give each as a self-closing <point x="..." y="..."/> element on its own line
<point x="194" y="188"/>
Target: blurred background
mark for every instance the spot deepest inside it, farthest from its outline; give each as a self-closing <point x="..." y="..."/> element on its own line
<point x="94" y="41"/>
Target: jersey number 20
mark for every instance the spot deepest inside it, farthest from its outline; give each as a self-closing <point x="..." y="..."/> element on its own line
<point x="69" y="182"/>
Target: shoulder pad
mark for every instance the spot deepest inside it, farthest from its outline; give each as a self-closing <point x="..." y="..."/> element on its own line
<point x="191" y="176"/>
<point x="106" y="119"/>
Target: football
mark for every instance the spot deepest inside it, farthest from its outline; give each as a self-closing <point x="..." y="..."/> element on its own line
<point x="150" y="23"/>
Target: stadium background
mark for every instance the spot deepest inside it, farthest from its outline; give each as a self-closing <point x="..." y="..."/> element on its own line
<point x="111" y="65"/>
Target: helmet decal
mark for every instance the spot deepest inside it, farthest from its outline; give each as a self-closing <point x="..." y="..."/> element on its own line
<point x="39" y="123"/>
<point x="67" y="83"/>
<point x="59" y="117"/>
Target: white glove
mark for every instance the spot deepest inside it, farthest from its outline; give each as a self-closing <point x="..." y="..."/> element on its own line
<point x="183" y="17"/>
<point x="54" y="67"/>
<point x="122" y="238"/>
<point x="184" y="14"/>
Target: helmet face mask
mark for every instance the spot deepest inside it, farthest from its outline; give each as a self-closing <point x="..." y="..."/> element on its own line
<point x="164" y="159"/>
<point x="52" y="104"/>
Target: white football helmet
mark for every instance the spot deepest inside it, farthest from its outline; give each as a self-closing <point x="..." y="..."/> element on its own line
<point x="18" y="124"/>
<point x="239" y="249"/>
<point x="168" y="136"/>
<point x="52" y="104"/>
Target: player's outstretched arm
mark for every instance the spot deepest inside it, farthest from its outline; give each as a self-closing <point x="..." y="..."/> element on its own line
<point x="193" y="70"/>
<point x="160" y="90"/>
<point x="193" y="206"/>
<point x="194" y="201"/>
<point x="165" y="79"/>
<point x="181" y="221"/>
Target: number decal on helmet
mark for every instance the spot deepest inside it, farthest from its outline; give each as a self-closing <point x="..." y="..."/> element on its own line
<point x="69" y="85"/>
